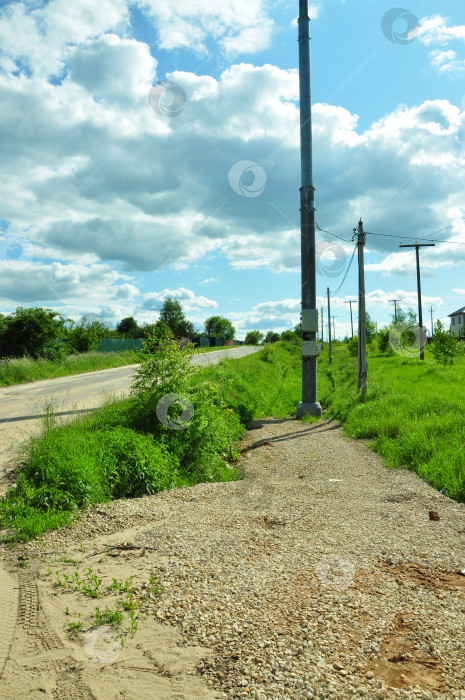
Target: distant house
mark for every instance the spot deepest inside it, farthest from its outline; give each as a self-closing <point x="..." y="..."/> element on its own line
<point x="457" y="320"/>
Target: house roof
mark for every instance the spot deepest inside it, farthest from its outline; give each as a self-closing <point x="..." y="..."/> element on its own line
<point x="460" y="311"/>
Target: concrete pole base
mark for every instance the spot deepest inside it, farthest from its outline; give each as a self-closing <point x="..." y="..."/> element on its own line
<point x="309" y="409"/>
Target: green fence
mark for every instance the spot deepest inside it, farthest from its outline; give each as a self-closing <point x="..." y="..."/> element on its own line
<point x="119" y="344"/>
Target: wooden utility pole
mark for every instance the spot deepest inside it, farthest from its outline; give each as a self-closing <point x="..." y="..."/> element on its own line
<point x="351" y="301"/>
<point x="395" y="308"/>
<point x="362" y="348"/>
<point x="417" y="247"/>
<point x="334" y="327"/>
<point x="329" y="325"/>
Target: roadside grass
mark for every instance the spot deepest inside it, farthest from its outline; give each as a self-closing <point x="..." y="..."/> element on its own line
<point x="20" y="370"/>
<point x="412" y="415"/>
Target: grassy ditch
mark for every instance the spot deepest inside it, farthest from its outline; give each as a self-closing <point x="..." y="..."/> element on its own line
<point x="412" y="415"/>
<point x="19" y="370"/>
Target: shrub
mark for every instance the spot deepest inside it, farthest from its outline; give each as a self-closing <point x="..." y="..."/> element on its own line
<point x="445" y="345"/>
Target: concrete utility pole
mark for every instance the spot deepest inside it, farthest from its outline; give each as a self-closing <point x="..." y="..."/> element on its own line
<point x="362" y="348"/>
<point x="395" y="308"/>
<point x="322" y="336"/>
<point x="417" y="247"/>
<point x="329" y="325"/>
<point x="334" y="327"/>
<point x="351" y="301"/>
<point x="432" y="327"/>
<point x="309" y="404"/>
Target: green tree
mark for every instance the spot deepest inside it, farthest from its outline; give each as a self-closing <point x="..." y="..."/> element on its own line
<point x="159" y="328"/>
<point x="272" y="337"/>
<point x="384" y="342"/>
<point x="85" y="337"/>
<point x="290" y="337"/>
<point x="402" y="316"/>
<point x="35" y="332"/>
<point x="445" y="345"/>
<point x="220" y="327"/>
<point x="253" y="338"/>
<point x="298" y="330"/>
<point x="129" y="328"/>
<point x="172" y="314"/>
<point x="370" y="328"/>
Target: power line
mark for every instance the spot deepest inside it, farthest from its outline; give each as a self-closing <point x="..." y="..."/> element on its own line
<point x="392" y="235"/>
<point x="409" y="238"/>
<point x="346" y="272"/>
<point x="347" y="240"/>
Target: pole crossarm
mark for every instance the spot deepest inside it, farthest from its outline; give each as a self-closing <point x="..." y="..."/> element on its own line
<point x="351" y="301"/>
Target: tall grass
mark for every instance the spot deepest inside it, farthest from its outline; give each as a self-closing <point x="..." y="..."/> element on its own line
<point x="19" y="370"/>
<point x="413" y="414"/>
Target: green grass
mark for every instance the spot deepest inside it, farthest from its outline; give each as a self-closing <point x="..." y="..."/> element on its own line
<point x="412" y="415"/>
<point x="20" y="370"/>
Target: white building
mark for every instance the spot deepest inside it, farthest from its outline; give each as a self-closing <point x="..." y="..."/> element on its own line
<point x="457" y="320"/>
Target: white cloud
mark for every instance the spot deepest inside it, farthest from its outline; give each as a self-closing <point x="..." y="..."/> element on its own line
<point x="210" y="280"/>
<point x="435" y="30"/>
<point x="188" y="300"/>
<point x="240" y="26"/>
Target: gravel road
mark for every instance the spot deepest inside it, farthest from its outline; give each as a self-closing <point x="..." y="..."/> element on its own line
<point x="23" y="405"/>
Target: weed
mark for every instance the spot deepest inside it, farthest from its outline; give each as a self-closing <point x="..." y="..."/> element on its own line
<point x="75" y="627"/>
<point x="109" y="616"/>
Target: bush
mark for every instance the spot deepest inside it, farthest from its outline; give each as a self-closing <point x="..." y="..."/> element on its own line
<point x="384" y="342"/>
<point x="445" y="345"/>
<point x="34" y="332"/>
<point x="352" y="346"/>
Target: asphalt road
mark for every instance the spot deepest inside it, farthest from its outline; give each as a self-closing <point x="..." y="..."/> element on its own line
<point x="23" y="405"/>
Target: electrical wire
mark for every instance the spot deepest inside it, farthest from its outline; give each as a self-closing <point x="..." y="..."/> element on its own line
<point x="409" y="238"/>
<point x="346" y="273"/>
<point x="332" y="234"/>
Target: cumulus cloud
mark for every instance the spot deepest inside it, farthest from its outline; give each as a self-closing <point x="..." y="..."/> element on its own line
<point x="240" y="26"/>
<point x="188" y="300"/>
<point x="435" y="30"/>
<point x="93" y="177"/>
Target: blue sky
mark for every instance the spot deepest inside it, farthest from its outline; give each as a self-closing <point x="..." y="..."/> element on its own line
<point x="151" y="149"/>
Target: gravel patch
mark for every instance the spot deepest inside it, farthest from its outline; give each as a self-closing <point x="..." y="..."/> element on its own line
<point x="319" y="575"/>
